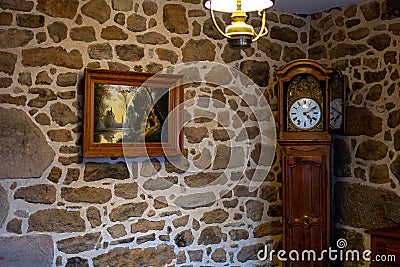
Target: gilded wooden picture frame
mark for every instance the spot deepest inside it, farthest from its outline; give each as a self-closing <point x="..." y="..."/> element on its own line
<point x="131" y="114"/>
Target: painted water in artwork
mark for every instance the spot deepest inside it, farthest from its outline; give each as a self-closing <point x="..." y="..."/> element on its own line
<point x="130" y="113"/>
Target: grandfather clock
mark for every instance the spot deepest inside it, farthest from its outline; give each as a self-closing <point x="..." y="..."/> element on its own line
<point x="305" y="142"/>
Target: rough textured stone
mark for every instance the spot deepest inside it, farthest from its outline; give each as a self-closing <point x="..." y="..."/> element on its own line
<point x="5" y="82"/>
<point x="100" y="51"/>
<point x="4" y="205"/>
<point x="43" y="78"/>
<point x="117" y="230"/>
<point x="20" y="5"/>
<point x="195" y="135"/>
<point x="238" y="234"/>
<point x="67" y="79"/>
<point x="58" y="56"/>
<point x="175" y="19"/>
<point x="152" y="256"/>
<point x="61" y="135"/>
<point x="143" y="226"/>
<point x="126" y="191"/>
<point x="7" y="62"/>
<point x="268" y="192"/>
<point x="394" y="119"/>
<point x="12" y="38"/>
<point x="210" y="235"/>
<point x="19" y="133"/>
<point x="284" y="34"/>
<point x="55" y="174"/>
<point x="249" y="252"/>
<point x="56" y="220"/>
<point x="29" y="250"/>
<point x="379" y="174"/>
<point x="83" y="34"/>
<point x="210" y="30"/>
<point x="381" y="209"/>
<point x="62" y="114"/>
<point x="202" y="179"/>
<point x="94" y="217"/>
<point x="130" y="52"/>
<point x="18" y="100"/>
<point x="395" y="168"/>
<point x="215" y="216"/>
<point x="358" y="34"/>
<point x="86" y="194"/>
<point x="98" y="171"/>
<point x="57" y="31"/>
<point x="167" y="55"/>
<point x="97" y="9"/>
<point x="77" y="261"/>
<point x="161" y="183"/>
<point x="122" y="5"/>
<point x="254" y="210"/>
<point x="268" y="229"/>
<point x="149" y="7"/>
<point x="14" y="226"/>
<point x="341" y="158"/>
<point x="184" y="238"/>
<point x="342" y="50"/>
<point x="372" y="150"/>
<point x="198" y="50"/>
<point x="74" y="245"/>
<point x="136" y="23"/>
<point x="45" y="194"/>
<point x="292" y="53"/>
<point x="219" y="255"/>
<point x="193" y="201"/>
<point x="271" y="49"/>
<point x="113" y="33"/>
<point x="380" y="42"/>
<point x="126" y="211"/>
<point x="154" y="38"/>
<point x="371" y="10"/>
<point x="58" y="8"/>
<point x="257" y="71"/>
<point x="361" y="121"/>
<point x="30" y="21"/>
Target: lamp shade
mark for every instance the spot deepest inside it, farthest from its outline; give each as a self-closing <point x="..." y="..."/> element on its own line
<point x="230" y="6"/>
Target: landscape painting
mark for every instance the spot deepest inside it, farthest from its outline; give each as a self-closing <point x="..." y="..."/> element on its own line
<point x="132" y="114"/>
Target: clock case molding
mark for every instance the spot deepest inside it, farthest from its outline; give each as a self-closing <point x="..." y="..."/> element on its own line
<point x="285" y="76"/>
<point x="305" y="170"/>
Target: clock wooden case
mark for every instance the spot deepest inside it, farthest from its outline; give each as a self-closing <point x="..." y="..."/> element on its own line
<point x="305" y="142"/>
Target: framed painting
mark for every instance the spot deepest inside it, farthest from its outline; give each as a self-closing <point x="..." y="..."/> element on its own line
<point x="131" y="114"/>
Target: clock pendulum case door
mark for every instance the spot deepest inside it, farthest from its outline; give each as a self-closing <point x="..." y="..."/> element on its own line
<point x="305" y="142"/>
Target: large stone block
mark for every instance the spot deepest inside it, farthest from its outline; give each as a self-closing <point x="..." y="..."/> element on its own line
<point x="24" y="150"/>
<point x="151" y="256"/>
<point x="361" y="121"/>
<point x="362" y="206"/>
<point x="58" y="56"/>
<point x="12" y="38"/>
<point x="45" y="194"/>
<point x="56" y="220"/>
<point x="4" y="205"/>
<point x="175" y="19"/>
<point x="58" y="8"/>
<point x="98" y="10"/>
<point x="32" y="251"/>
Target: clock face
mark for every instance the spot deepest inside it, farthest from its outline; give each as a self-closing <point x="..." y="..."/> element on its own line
<point x="335" y="113"/>
<point x="305" y="113"/>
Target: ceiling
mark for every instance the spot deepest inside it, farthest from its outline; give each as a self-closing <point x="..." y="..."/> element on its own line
<point x="309" y="6"/>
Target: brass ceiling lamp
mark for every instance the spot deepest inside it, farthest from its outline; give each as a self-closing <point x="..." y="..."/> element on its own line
<point x="239" y="33"/>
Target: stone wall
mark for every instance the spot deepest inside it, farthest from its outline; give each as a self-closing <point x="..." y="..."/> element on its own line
<point x="65" y="210"/>
<point x="362" y="41"/>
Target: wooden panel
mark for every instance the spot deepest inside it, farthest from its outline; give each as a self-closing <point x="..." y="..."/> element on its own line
<point x="305" y="206"/>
